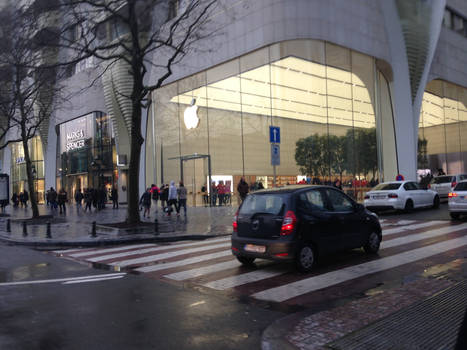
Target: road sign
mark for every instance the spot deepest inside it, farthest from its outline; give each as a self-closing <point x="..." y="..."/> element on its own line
<point x="275" y="154"/>
<point x="274" y="134"/>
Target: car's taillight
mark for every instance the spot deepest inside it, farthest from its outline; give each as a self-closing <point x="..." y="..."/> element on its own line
<point x="367" y="196"/>
<point x="452" y="194"/>
<point x="453" y="184"/>
<point x="235" y="223"/>
<point x="288" y="224"/>
<point x="392" y="195"/>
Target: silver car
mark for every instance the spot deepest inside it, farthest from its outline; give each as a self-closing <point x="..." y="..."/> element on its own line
<point x="445" y="183"/>
<point x="458" y="200"/>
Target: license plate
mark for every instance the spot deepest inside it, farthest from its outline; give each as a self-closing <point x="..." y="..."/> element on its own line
<point x="255" y="248"/>
<point x="379" y="197"/>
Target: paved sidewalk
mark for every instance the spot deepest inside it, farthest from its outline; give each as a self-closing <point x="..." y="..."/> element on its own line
<point x="74" y="228"/>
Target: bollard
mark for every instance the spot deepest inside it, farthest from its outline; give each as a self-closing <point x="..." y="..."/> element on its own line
<point x="25" y="229"/>
<point x="8" y="225"/>
<point x="156" y="227"/>
<point x="93" y="232"/>
<point x="49" y="233"/>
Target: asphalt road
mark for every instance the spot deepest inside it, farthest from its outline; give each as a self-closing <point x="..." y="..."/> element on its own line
<point x="129" y="312"/>
<point x="442" y="213"/>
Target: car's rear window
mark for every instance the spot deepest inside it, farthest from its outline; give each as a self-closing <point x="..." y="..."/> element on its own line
<point x="441" y="179"/>
<point x="386" y="187"/>
<point x="262" y="203"/>
<point x="462" y="177"/>
<point x="461" y="186"/>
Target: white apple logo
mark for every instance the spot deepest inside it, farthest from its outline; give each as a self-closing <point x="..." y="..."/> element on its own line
<point x="190" y="116"/>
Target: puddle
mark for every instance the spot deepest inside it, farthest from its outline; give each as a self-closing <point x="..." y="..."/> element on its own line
<point x="24" y="272"/>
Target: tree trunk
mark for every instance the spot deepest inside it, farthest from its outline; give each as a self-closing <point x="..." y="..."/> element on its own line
<point x="27" y="158"/>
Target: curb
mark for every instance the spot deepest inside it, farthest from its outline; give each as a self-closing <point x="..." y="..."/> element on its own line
<point x="107" y="242"/>
<point x="273" y="337"/>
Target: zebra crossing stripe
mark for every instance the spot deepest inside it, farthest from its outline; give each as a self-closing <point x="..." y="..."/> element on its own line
<point x="194" y="260"/>
<point x="184" y="275"/>
<point x="398" y="223"/>
<point x="396" y="230"/>
<point x="157" y="257"/>
<point x="295" y="289"/>
<point x="421" y="236"/>
<point x="109" y="250"/>
<point x="153" y="248"/>
<point x="249" y="277"/>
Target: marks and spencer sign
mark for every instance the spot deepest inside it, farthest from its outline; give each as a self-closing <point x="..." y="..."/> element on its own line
<point x="75" y="140"/>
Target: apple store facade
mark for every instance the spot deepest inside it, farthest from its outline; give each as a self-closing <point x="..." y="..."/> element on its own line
<point x="329" y="103"/>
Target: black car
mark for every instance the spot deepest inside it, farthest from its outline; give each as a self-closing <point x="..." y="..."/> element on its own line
<point x="300" y="223"/>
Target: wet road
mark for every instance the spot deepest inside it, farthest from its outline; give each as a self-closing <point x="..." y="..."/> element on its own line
<point x="80" y="309"/>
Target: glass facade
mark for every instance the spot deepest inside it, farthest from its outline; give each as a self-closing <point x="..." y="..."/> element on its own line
<point x="18" y="175"/>
<point x="324" y="98"/>
<point x="86" y="154"/>
<point x="442" y="126"/>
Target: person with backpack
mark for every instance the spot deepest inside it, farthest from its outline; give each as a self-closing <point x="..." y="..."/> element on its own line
<point x="155" y="195"/>
<point x="145" y="202"/>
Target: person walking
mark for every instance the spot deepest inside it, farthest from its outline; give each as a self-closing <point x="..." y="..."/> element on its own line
<point x="221" y="192"/>
<point x="172" y="199"/>
<point x="155" y="195"/>
<point x="213" y="193"/>
<point x="114" y="195"/>
<point x="204" y="192"/>
<point x="25" y="198"/>
<point x="243" y="188"/>
<point x="164" y="196"/>
<point x="79" y="199"/>
<point x="145" y="202"/>
<point x="15" y="200"/>
<point x="182" y="195"/>
<point x="62" y="199"/>
<point x="53" y="198"/>
<point x="87" y="199"/>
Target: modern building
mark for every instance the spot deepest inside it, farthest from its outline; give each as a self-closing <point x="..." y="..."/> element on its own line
<point x="359" y="90"/>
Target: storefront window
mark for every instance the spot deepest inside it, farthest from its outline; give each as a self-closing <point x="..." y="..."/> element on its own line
<point x="322" y="97"/>
<point x="86" y="155"/>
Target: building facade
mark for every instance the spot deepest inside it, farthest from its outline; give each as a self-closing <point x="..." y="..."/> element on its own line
<point x="360" y="91"/>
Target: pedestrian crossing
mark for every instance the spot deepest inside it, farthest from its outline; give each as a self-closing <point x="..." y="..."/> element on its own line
<point x="210" y="263"/>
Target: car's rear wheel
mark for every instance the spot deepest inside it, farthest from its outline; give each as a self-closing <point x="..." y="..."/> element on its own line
<point x="373" y="243"/>
<point x="454" y="216"/>
<point x="408" y="206"/>
<point x="246" y="260"/>
<point x="436" y="202"/>
<point x="306" y="258"/>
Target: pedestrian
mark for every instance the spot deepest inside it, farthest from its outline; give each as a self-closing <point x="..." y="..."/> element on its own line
<point x="155" y="195"/>
<point x="337" y="183"/>
<point x="164" y="196"/>
<point x="145" y="202"/>
<point x="213" y="193"/>
<point x="47" y="197"/>
<point x="62" y="198"/>
<point x="441" y="172"/>
<point x="15" y="200"/>
<point x="87" y="199"/>
<point x="242" y="188"/>
<point x="114" y="195"/>
<point x="25" y="198"/>
<point x="172" y="199"/>
<point x="260" y="186"/>
<point x="205" y="195"/>
<point x="53" y="198"/>
<point x="79" y="199"/>
<point x="221" y="192"/>
<point x="182" y="195"/>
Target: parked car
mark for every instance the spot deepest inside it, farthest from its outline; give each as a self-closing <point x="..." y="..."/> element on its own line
<point x="400" y="195"/>
<point x="457" y="202"/>
<point x="445" y="183"/>
<point x="301" y="223"/>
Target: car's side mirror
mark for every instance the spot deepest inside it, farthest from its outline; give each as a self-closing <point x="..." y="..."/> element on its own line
<point x="359" y="207"/>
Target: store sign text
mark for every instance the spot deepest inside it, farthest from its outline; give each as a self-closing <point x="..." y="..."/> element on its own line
<point x="75" y="140"/>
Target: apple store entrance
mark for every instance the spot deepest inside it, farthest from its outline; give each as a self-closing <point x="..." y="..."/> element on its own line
<point x="197" y="174"/>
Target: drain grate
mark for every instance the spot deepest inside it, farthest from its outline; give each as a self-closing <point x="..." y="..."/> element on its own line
<point x="430" y="324"/>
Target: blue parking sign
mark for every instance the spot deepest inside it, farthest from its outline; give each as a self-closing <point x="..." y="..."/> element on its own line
<point x="274" y="134"/>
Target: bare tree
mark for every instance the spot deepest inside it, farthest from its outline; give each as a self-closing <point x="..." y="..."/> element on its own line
<point x="140" y="36"/>
<point x="27" y="84"/>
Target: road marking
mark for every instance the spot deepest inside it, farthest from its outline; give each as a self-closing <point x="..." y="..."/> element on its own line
<point x="237" y="280"/>
<point x="184" y="262"/>
<point x="421" y="236"/>
<point x="397" y="223"/>
<point x="184" y="275"/>
<point x="157" y="257"/>
<point x="55" y="280"/>
<point x="109" y="250"/>
<point x="295" y="289"/>
<point x="393" y="231"/>
<point x="93" y="280"/>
